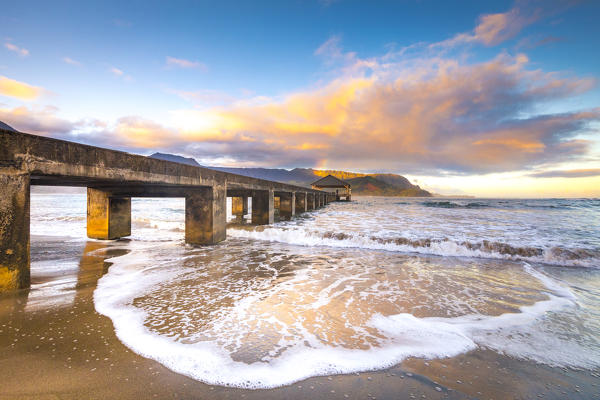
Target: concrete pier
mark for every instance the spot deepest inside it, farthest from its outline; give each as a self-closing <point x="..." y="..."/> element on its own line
<point x="287" y="205"/>
<point x="108" y="217"/>
<point x="310" y="201"/>
<point x="205" y="215"/>
<point x="263" y="207"/>
<point x="14" y="229"/>
<point x="112" y="178"/>
<point x="300" y="202"/>
<point x="239" y="207"/>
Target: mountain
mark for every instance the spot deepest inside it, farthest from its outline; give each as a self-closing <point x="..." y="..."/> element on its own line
<point x="175" y="158"/>
<point x="371" y="186"/>
<point x="362" y="184"/>
<point x="6" y="127"/>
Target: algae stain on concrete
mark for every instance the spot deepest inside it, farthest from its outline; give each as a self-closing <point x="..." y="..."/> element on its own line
<point x="9" y="279"/>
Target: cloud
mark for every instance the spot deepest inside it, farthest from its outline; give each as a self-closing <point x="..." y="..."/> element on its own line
<point x="434" y="114"/>
<point x="569" y="173"/>
<point x="116" y="71"/>
<point x="19" y="90"/>
<point x="23" y="52"/>
<point x="183" y="63"/>
<point x="120" y="74"/>
<point x="493" y="29"/>
<point x="37" y="120"/>
<point x="204" y="97"/>
<point x="531" y="42"/>
<point x="69" y="60"/>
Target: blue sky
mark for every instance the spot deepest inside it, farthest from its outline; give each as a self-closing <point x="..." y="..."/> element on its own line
<point x="321" y="84"/>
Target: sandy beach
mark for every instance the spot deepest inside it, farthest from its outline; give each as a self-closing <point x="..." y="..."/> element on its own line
<point x="59" y="347"/>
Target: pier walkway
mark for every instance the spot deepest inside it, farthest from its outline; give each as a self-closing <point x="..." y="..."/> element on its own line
<point x="112" y="178"/>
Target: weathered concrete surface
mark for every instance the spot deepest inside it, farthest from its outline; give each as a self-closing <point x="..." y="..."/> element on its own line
<point x="237" y="207"/>
<point x="263" y="207"/>
<point x="287" y="205"/>
<point x="300" y="202"/>
<point x="108" y="217"/>
<point x="205" y="215"/>
<point x="310" y="201"/>
<point x="14" y="229"/>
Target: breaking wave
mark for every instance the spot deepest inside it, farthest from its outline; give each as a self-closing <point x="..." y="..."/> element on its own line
<point x="572" y="257"/>
<point x="452" y="204"/>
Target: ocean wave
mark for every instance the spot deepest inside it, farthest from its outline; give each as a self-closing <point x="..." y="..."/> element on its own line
<point x="572" y="257"/>
<point x="452" y="204"/>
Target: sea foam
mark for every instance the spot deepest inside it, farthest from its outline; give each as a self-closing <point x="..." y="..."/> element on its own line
<point x="400" y="335"/>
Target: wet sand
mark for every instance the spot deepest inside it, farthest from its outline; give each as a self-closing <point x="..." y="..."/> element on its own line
<point x="54" y="345"/>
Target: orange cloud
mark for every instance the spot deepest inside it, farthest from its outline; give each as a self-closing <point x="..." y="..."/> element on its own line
<point x="440" y="115"/>
<point x="19" y="90"/>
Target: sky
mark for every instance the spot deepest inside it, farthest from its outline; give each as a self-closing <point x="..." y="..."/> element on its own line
<point x="491" y="99"/>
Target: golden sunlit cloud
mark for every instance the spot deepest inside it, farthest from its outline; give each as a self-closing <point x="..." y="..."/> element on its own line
<point x="19" y="90"/>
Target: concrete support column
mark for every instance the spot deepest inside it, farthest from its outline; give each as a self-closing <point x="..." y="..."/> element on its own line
<point x="310" y="201"/>
<point x="108" y="217"/>
<point x="300" y="202"/>
<point x="14" y="230"/>
<point x="287" y="205"/>
<point x="205" y="215"/>
<point x="237" y="207"/>
<point x="263" y="207"/>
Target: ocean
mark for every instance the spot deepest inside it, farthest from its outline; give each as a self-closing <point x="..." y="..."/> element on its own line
<point x="351" y="287"/>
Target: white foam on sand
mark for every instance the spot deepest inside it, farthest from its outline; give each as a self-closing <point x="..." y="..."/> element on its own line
<point x="404" y="335"/>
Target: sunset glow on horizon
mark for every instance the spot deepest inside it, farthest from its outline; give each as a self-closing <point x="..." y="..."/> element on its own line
<point x="491" y="99"/>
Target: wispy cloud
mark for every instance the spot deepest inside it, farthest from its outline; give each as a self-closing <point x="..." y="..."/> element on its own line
<point x="21" y="51"/>
<point x="204" y="97"/>
<point x="119" y="73"/>
<point x="533" y="42"/>
<point x="71" y="61"/>
<point x="183" y="63"/>
<point x="116" y="71"/>
<point x="493" y="29"/>
<point x="19" y="90"/>
<point x="568" y="173"/>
